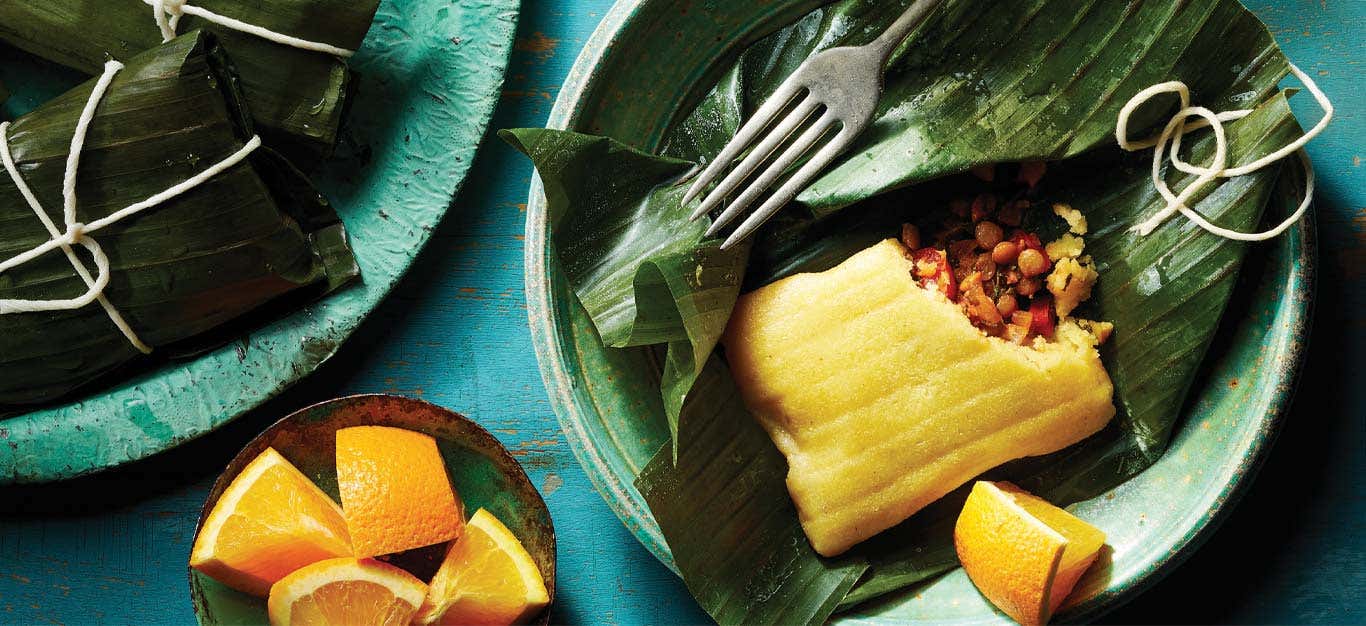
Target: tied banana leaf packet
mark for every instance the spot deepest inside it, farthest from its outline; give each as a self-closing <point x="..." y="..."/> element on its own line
<point x="185" y="272"/>
<point x="298" y="98"/>
<point x="1031" y="80"/>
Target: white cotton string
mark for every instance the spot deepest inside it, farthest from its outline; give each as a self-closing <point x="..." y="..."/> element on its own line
<point x="168" y="13"/>
<point x="73" y="156"/>
<point x="77" y="233"/>
<point x="1167" y="145"/>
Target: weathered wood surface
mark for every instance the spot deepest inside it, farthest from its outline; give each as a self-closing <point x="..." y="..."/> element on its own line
<point x="112" y="549"/>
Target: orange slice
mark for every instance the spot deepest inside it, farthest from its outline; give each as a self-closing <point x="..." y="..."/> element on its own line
<point x="395" y="493"/>
<point x="1024" y="554"/>
<point x="270" y="521"/>
<point x="346" y="591"/>
<point x="486" y="578"/>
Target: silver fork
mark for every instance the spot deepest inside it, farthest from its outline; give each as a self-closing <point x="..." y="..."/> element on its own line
<point x="846" y="83"/>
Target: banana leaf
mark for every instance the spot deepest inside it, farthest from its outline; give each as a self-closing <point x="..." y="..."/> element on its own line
<point x="722" y="506"/>
<point x="298" y="98"/>
<point x="1023" y="80"/>
<point x="603" y="195"/>
<point x="948" y="101"/>
<point x="724" y="454"/>
<point x="1030" y="80"/>
<point x="245" y="238"/>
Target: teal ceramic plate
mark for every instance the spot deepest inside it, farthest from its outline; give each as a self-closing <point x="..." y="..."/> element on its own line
<point x="483" y="472"/>
<point x="631" y="82"/>
<point x="431" y="72"/>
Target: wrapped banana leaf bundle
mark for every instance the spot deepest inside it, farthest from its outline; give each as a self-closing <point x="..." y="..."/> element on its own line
<point x="139" y="213"/>
<point x="295" y="77"/>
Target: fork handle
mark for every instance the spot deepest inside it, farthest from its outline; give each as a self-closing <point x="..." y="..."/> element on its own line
<point x="887" y="42"/>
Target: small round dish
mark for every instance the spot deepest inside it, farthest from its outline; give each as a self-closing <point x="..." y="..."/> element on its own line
<point x="481" y="469"/>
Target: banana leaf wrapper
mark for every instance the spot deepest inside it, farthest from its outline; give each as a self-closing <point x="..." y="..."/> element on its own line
<point x="297" y="98"/>
<point x="1033" y="80"/>
<point x="243" y="239"/>
<point x="1151" y="376"/>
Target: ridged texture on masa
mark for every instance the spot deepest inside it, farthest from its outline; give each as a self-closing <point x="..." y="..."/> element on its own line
<point x="884" y="397"/>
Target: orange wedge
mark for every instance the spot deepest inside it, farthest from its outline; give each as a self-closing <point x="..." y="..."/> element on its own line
<point x="395" y="493"/>
<point x="346" y="591"/>
<point x="486" y="578"/>
<point x="1024" y="554"/>
<point x="270" y="521"/>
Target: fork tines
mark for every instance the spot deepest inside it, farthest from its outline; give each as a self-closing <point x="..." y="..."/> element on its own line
<point x="802" y="108"/>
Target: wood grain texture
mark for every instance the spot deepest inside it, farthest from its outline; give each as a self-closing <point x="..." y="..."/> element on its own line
<point x="112" y="548"/>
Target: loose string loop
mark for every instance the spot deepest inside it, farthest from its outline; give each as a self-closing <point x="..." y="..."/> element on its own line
<point x="77" y="233"/>
<point x="167" y="14"/>
<point x="1167" y="145"/>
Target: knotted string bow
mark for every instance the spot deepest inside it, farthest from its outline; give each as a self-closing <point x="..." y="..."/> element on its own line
<point x="77" y="233"/>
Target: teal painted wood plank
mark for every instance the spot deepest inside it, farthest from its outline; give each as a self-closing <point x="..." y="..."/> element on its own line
<point x="112" y="548"/>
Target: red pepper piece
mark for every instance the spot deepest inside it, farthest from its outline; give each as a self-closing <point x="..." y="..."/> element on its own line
<point x="948" y="283"/>
<point x="1041" y="320"/>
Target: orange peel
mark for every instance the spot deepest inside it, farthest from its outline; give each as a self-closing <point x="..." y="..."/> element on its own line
<point x="395" y="492"/>
<point x="1024" y="554"/>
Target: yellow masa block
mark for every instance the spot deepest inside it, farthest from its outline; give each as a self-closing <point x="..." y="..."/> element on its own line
<point x="884" y="397"/>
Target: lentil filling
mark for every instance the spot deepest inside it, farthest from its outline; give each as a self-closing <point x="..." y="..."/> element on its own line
<point x="982" y="258"/>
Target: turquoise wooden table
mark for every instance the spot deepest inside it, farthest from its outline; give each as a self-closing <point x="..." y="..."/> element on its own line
<point x="112" y="548"/>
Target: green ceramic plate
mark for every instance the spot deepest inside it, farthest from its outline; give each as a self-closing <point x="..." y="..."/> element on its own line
<point x="481" y="469"/>
<point x="630" y="84"/>
<point x="431" y="72"/>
